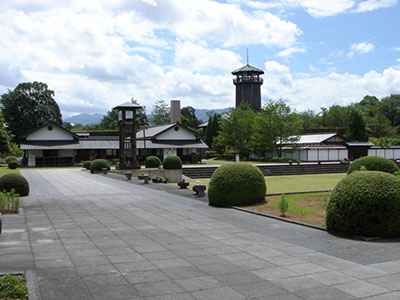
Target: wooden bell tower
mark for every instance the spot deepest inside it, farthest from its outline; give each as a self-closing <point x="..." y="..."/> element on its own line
<point x="127" y="135"/>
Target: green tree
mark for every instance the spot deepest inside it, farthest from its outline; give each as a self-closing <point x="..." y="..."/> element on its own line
<point x="4" y="138"/>
<point x="391" y="109"/>
<point x="356" y="129"/>
<point x="212" y="129"/>
<point x="110" y="120"/>
<point x="67" y="125"/>
<point x="274" y="127"/>
<point x="188" y="114"/>
<point x="27" y="106"/>
<point x="235" y="130"/>
<point x="161" y="113"/>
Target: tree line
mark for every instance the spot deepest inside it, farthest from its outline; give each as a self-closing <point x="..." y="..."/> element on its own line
<point x="240" y="130"/>
<point x="243" y="131"/>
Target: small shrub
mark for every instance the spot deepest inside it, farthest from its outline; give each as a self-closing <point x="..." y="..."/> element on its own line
<point x="373" y="163"/>
<point x="13" y="164"/>
<point x="98" y="165"/>
<point x="14" y="181"/>
<point x="152" y="162"/>
<point x="10" y="158"/>
<point x="115" y="161"/>
<point x="172" y="162"/>
<point x="86" y="164"/>
<point x="9" y="202"/>
<point x="211" y="154"/>
<point x="236" y="184"/>
<point x="283" y="205"/>
<point x="13" y="287"/>
<point x="367" y="204"/>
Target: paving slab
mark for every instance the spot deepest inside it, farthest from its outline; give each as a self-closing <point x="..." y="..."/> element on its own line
<point x="100" y="237"/>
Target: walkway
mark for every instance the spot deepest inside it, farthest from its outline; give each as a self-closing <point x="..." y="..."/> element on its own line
<point x="93" y="237"/>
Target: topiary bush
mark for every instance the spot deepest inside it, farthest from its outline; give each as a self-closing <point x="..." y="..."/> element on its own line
<point x="98" y="165"/>
<point x="13" y="164"/>
<point x="367" y="204"/>
<point x="152" y="162"/>
<point x="86" y="164"/>
<point x="236" y="184"/>
<point x="373" y="163"/>
<point x="14" y="181"/>
<point x="10" y="158"/>
<point x="172" y="162"/>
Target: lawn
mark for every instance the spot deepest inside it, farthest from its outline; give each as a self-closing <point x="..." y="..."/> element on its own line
<point x="297" y="183"/>
<point x="4" y="170"/>
<point x="307" y="208"/>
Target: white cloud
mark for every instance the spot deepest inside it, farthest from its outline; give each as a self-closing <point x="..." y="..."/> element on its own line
<point x="307" y="91"/>
<point x="371" y="5"/>
<point x="195" y="57"/>
<point x="319" y="8"/>
<point x="360" y="48"/>
<point x="290" y="51"/>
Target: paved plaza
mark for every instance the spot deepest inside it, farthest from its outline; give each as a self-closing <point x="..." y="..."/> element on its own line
<point x="94" y="237"/>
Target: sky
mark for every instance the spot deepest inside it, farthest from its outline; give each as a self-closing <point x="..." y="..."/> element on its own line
<point x="96" y="54"/>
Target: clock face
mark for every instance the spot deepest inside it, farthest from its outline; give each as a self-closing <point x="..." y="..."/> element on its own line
<point x="129" y="114"/>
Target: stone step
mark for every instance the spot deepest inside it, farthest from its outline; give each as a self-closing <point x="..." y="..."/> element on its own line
<point x="273" y="170"/>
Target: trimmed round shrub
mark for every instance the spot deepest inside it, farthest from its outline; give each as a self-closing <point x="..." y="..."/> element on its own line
<point x="367" y="204"/>
<point x="86" y="164"/>
<point x="172" y="162"/>
<point x="13" y="164"/>
<point x="14" y="181"/>
<point x="236" y="184"/>
<point x="373" y="163"/>
<point x="152" y="162"/>
<point x="98" y="165"/>
<point x="10" y="158"/>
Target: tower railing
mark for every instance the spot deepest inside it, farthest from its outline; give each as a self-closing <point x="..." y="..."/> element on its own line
<point x="255" y="79"/>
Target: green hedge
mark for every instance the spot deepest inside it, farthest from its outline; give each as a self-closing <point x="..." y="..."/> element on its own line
<point x="14" y="181"/>
<point x="366" y="203"/>
<point x="13" y="164"/>
<point x="172" y="162"/>
<point x="152" y="162"/>
<point x="98" y="165"/>
<point x="373" y="163"/>
<point x="86" y="164"/>
<point x="237" y="184"/>
<point x="10" y="158"/>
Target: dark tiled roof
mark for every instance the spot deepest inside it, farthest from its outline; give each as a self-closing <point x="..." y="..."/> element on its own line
<point x="247" y="69"/>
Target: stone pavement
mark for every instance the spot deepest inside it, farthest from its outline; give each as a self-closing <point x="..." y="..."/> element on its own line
<point x="93" y="237"/>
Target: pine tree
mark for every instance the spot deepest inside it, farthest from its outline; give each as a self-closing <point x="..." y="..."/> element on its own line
<point x="356" y="129"/>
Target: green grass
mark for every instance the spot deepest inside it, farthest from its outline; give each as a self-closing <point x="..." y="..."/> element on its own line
<point x="294" y="207"/>
<point x="297" y="183"/>
<point x="5" y="170"/>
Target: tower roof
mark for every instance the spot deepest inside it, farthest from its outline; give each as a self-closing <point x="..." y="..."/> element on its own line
<point x="128" y="105"/>
<point x="247" y="69"/>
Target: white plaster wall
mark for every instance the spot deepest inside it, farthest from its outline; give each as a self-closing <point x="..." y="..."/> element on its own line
<point x="172" y="134"/>
<point x="44" y="134"/>
<point x="312" y="155"/>
<point x="169" y="152"/>
<point x="66" y="152"/>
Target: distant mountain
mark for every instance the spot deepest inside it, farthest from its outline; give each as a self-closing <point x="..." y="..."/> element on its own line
<point x="201" y="114"/>
<point x="91" y="119"/>
<point x="85" y="119"/>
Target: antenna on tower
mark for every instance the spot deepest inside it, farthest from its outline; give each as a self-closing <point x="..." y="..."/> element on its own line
<point x="247" y="55"/>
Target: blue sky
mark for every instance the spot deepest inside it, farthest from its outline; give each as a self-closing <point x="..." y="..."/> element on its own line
<point x="97" y="54"/>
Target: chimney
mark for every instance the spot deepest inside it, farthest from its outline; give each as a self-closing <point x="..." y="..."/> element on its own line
<point x="175" y="111"/>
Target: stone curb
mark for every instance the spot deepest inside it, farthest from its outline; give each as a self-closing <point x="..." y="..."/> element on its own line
<point x="279" y="218"/>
